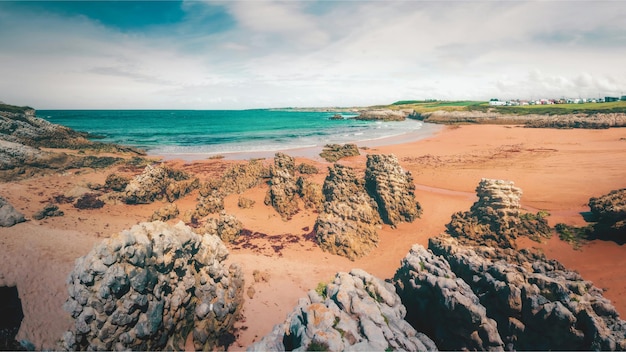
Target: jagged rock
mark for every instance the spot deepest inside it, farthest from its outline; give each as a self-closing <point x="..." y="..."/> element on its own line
<point x="347" y="224"/>
<point x="283" y="191"/>
<point x="334" y="152"/>
<point x="392" y="188"/>
<point x="336" y="117"/>
<point x="156" y="182"/>
<point x="245" y="203"/>
<point x="242" y="177"/>
<point x="355" y="312"/>
<point x="227" y="227"/>
<point x="116" y="182"/>
<point x="89" y="201"/>
<point x="310" y="193"/>
<point x="307" y="169"/>
<point x="148" y="287"/>
<point x="170" y="211"/>
<point x="49" y="210"/>
<point x="610" y="212"/>
<point x="537" y="303"/>
<point x="494" y="219"/>
<point x="442" y="305"/>
<point x="209" y="204"/>
<point x="9" y="216"/>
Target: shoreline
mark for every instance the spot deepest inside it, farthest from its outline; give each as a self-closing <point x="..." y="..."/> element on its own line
<point x="558" y="170"/>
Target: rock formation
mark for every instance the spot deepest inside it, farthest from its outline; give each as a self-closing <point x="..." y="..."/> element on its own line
<point x="494" y="219"/>
<point x="245" y="203"/>
<point x="307" y="169"/>
<point x="347" y="224"/>
<point x="147" y="288"/>
<point x="241" y="177"/>
<point x="157" y="182"/>
<point x="210" y="203"/>
<point x="355" y="312"/>
<point x="283" y="191"/>
<point x="49" y="210"/>
<point x="392" y="188"/>
<point x="168" y="212"/>
<point x="89" y="201"/>
<point x="442" y="305"/>
<point x="310" y="193"/>
<point x="610" y="212"/>
<point x="334" y="152"/>
<point x="227" y="227"/>
<point x="384" y="115"/>
<point x="537" y="303"/>
<point x="9" y="216"/>
<point x="116" y="182"/>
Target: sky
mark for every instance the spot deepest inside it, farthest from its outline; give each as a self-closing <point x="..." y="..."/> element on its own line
<point x="260" y="54"/>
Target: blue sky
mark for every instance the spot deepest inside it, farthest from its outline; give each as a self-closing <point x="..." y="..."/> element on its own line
<point x="257" y="54"/>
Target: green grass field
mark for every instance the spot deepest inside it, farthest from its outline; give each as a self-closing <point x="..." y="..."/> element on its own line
<point x="463" y="105"/>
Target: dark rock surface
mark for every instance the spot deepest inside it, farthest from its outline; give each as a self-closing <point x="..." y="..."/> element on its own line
<point x="610" y="212"/>
<point x="334" y="152"/>
<point x="9" y="216"/>
<point x="283" y="191"/>
<point x="347" y="224"/>
<point x="49" y="210"/>
<point x="116" y="182"/>
<point x="147" y="288"/>
<point x="494" y="219"/>
<point x="392" y="188"/>
<point x="354" y="312"/>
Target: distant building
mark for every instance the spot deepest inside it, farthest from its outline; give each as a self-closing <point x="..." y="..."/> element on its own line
<point x="497" y="103"/>
<point x="623" y="98"/>
<point x="610" y="99"/>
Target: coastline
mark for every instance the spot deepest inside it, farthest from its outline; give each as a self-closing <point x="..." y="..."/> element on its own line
<point x="558" y="170"/>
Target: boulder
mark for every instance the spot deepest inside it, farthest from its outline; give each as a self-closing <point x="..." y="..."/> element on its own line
<point x="147" y="288"/>
<point x="610" y="212"/>
<point x="334" y="152"/>
<point x="49" y="210"/>
<point x="310" y="193"/>
<point x="356" y="311"/>
<point x="245" y="203"/>
<point x="209" y="204"/>
<point x="116" y="182"/>
<point x="9" y="216"/>
<point x="442" y="305"/>
<point x="157" y="182"/>
<point x="227" y="227"/>
<point x="168" y="212"/>
<point x="241" y="177"/>
<point x="89" y="201"/>
<point x="392" y="188"/>
<point x="283" y="191"/>
<point x="347" y="223"/>
<point x="494" y="219"/>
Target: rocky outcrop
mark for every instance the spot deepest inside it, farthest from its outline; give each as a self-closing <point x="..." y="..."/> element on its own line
<point x="283" y="191"/>
<point x="383" y="115"/>
<point x="156" y="183"/>
<point x="354" y="312"/>
<point x="227" y="227"/>
<point x="392" y="188"/>
<point x="443" y="305"/>
<point x="334" y="152"/>
<point x="610" y="212"/>
<point x="147" y="288"/>
<point x="494" y="219"/>
<point x="537" y="303"/>
<point x="116" y="182"/>
<point x="241" y="177"/>
<point x="245" y="203"/>
<point x="310" y="193"/>
<point x="307" y="169"/>
<point x="210" y="203"/>
<point x="9" y="216"/>
<point x="595" y="121"/>
<point x="168" y="212"/>
<point x="347" y="224"/>
<point x="49" y="210"/>
<point x="89" y="201"/>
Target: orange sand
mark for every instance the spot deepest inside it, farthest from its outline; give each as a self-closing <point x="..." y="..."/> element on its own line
<point x="558" y="170"/>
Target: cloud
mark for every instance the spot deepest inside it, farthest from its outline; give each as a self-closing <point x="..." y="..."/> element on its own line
<point x="245" y="54"/>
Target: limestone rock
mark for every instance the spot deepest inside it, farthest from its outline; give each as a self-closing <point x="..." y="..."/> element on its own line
<point x="334" y="152"/>
<point x="307" y="169"/>
<point x="49" y="210"/>
<point x="392" y="188"/>
<point x="310" y="193"/>
<point x="537" y="303"/>
<point x="157" y="182"/>
<point x="209" y="204"/>
<point x="610" y="211"/>
<point x="245" y="203"/>
<point x="347" y="224"/>
<point x="148" y="287"/>
<point x="494" y="219"/>
<point x="443" y="305"/>
<point x="9" y="216"/>
<point x="241" y="177"/>
<point x="168" y="212"/>
<point x="283" y="191"/>
<point x="227" y="227"/>
<point x="116" y="182"/>
<point x="355" y="312"/>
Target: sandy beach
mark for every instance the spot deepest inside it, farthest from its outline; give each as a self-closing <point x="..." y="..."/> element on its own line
<point x="558" y="171"/>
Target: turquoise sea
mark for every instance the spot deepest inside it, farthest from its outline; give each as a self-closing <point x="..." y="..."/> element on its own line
<point x="196" y="133"/>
